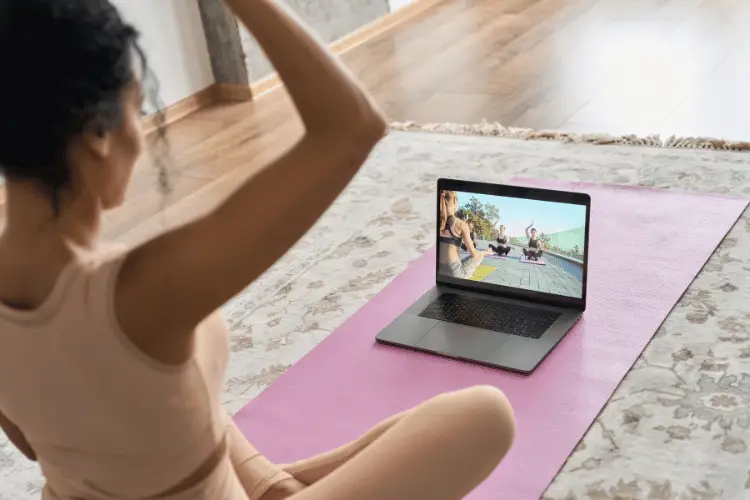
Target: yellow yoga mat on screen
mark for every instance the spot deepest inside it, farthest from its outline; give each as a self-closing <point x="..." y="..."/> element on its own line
<point x="482" y="272"/>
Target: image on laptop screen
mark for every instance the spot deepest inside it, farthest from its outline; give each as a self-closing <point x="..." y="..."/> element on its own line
<point x="519" y="243"/>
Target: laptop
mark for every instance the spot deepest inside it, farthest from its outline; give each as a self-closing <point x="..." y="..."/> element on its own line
<point x="509" y="307"/>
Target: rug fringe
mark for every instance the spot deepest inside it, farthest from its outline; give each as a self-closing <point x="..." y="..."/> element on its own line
<point x="497" y="130"/>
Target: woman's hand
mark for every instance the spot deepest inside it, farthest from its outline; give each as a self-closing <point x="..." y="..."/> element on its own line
<point x="284" y="489"/>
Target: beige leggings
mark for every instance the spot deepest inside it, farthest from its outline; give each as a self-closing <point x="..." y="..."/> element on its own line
<point x="441" y="449"/>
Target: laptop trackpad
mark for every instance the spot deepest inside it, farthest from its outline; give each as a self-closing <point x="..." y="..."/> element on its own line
<point x="462" y="341"/>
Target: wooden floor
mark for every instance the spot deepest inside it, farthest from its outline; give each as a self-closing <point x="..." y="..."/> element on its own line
<point x="618" y="66"/>
<point x="512" y="272"/>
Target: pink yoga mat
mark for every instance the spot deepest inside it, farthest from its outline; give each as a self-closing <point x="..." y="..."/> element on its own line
<point x="348" y="383"/>
<point x="535" y="262"/>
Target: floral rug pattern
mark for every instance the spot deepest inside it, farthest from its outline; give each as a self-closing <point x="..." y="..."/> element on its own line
<point x="677" y="428"/>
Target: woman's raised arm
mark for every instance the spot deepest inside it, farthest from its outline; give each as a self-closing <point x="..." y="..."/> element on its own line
<point x="169" y="284"/>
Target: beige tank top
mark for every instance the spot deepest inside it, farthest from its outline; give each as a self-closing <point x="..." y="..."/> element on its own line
<point x="104" y="419"/>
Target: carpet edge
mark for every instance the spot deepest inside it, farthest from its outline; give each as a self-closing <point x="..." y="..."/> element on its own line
<point x="495" y="129"/>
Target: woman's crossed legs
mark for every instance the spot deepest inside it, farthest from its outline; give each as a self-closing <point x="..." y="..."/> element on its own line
<point x="531" y="253"/>
<point x="500" y="250"/>
<point x="440" y="450"/>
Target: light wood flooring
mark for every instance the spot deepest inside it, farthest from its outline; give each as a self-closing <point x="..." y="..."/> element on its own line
<point x="512" y="271"/>
<point x="618" y="66"/>
<point x="515" y="273"/>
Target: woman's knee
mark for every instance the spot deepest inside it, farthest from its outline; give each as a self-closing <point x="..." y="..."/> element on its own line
<point x="492" y="413"/>
<point x="486" y="416"/>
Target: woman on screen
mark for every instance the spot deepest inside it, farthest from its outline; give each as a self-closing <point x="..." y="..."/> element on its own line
<point x="453" y="234"/>
<point x="503" y="244"/>
<point x="535" y="247"/>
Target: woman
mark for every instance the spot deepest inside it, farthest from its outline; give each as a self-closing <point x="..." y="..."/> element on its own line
<point x="113" y="359"/>
<point x="503" y="246"/>
<point x="535" y="247"/>
<point x="455" y="233"/>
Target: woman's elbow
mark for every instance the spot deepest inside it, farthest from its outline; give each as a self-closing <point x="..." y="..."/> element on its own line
<point x="369" y="124"/>
<point x="373" y="127"/>
<point x="356" y="144"/>
<point x="355" y="138"/>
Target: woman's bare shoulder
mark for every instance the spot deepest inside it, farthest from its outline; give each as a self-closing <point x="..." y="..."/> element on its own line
<point x="461" y="226"/>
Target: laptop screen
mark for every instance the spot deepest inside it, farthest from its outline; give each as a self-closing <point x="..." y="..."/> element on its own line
<point x="520" y="243"/>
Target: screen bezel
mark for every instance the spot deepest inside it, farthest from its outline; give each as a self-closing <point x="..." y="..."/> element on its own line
<point x="515" y="192"/>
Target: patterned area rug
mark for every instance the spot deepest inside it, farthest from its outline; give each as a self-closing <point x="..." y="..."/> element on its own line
<point x="678" y="427"/>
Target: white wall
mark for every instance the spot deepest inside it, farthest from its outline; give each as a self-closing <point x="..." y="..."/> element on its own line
<point x="175" y="44"/>
<point x="397" y="4"/>
<point x="330" y="19"/>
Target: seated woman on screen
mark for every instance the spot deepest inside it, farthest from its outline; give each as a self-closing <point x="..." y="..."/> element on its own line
<point x="503" y="243"/>
<point x="453" y="234"/>
<point x="535" y="248"/>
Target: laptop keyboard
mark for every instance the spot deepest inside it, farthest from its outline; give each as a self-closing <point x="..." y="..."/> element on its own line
<point x="491" y="315"/>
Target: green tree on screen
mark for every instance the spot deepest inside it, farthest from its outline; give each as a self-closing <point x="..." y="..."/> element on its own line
<point x="482" y="215"/>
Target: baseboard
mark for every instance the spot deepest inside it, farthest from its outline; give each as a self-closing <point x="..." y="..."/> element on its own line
<point x="181" y="109"/>
<point x="224" y="92"/>
<point x="380" y="25"/>
<point x="218" y="92"/>
<point x="356" y="38"/>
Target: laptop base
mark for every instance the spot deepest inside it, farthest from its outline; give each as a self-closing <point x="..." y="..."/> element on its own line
<point x="516" y="353"/>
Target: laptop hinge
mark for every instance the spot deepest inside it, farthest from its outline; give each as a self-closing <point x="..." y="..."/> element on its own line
<point x="563" y="304"/>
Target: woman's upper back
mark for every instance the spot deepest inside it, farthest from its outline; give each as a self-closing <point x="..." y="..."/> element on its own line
<point x="451" y="240"/>
<point x="451" y="234"/>
<point x="92" y="405"/>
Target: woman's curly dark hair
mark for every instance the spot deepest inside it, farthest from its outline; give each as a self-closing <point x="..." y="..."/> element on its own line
<point x="65" y="64"/>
